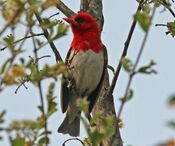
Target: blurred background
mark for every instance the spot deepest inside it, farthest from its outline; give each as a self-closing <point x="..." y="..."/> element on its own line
<point x="145" y="117"/>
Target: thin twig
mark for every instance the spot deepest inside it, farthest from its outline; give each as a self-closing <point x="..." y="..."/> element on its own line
<point x="131" y="31"/>
<point x="161" y="25"/>
<point x="37" y="59"/>
<point x="22" y="83"/>
<point x="12" y="60"/>
<point x="171" y="11"/>
<point x="74" y="139"/>
<point x="24" y="38"/>
<point x="10" y="22"/>
<point x="40" y="91"/>
<point x="136" y="64"/>
<point x="25" y="79"/>
<point x="166" y="5"/>
<point x="46" y="34"/>
<point x="54" y="49"/>
<point x="64" y="9"/>
<point x="54" y="15"/>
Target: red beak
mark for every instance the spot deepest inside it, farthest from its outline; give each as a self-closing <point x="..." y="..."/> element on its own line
<point x="70" y="20"/>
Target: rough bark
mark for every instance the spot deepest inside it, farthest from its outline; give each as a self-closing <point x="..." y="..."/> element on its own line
<point x="104" y="103"/>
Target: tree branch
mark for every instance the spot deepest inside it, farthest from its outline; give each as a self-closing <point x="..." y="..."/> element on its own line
<point x="10" y="22"/>
<point x="104" y="104"/>
<point x="46" y="34"/>
<point x="64" y="9"/>
<point x="168" y="6"/>
<point x="95" y="9"/>
<point x="24" y="38"/>
<point x="84" y="5"/>
<point x="136" y="64"/>
<point x="40" y="92"/>
<point x="124" y="53"/>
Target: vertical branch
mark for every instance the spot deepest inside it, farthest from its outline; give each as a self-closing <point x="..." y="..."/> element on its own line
<point x="124" y="53"/>
<point x="84" y="5"/>
<point x="95" y="9"/>
<point x="40" y="91"/>
<point x="46" y="34"/>
<point x="104" y="104"/>
<point x="64" y="9"/>
<point x="136" y="64"/>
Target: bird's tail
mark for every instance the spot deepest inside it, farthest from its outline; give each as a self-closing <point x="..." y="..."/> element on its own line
<point x="71" y="128"/>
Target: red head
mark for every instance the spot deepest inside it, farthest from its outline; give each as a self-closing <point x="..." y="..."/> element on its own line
<point x="83" y="22"/>
<point x="86" y="32"/>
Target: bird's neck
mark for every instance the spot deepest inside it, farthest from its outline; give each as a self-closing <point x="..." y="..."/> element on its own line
<point x="87" y="40"/>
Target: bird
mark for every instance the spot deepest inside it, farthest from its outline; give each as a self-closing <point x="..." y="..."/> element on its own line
<point x="87" y="61"/>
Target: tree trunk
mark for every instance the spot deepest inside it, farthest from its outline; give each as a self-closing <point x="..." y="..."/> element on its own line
<point x="104" y="103"/>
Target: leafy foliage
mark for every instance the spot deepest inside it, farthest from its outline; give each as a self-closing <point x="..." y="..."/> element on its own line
<point x="171" y="28"/>
<point x="148" y="69"/>
<point x="18" y="70"/>
<point x="128" y="96"/>
<point x="143" y="19"/>
<point x="96" y="134"/>
<point x="127" y="65"/>
<point x="2" y="114"/>
<point x="171" y="101"/>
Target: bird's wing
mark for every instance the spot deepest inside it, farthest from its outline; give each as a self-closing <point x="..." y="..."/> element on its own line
<point x="95" y="94"/>
<point x="65" y="91"/>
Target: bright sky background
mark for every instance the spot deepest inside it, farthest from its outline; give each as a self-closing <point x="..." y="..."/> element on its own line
<point x="145" y="116"/>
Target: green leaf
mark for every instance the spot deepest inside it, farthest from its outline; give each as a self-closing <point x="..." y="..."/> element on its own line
<point x="96" y="137"/>
<point x="18" y="141"/>
<point x="143" y="19"/>
<point x="108" y="125"/>
<point x="44" y="133"/>
<point x="61" y="31"/>
<point x="39" y="42"/>
<point x="48" y="24"/>
<point x="40" y="108"/>
<point x="106" y="128"/>
<point x="9" y="41"/>
<point x="127" y="64"/>
<point x="128" y="96"/>
<point x="1" y="129"/>
<point x="2" y="114"/>
<point x="171" y="124"/>
<point x="22" y="60"/>
<point x="49" y="3"/>
<point x="43" y="140"/>
<point x="83" y="104"/>
<point x="171" y="28"/>
<point x="50" y="100"/>
<point x="96" y="116"/>
<point x="148" y="69"/>
<point x="52" y="108"/>
<point x="171" y="101"/>
<point x="3" y="68"/>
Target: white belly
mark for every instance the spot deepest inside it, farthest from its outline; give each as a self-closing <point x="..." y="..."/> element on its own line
<point x="87" y="68"/>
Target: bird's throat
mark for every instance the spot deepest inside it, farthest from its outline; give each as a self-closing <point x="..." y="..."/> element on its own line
<point x="87" y="41"/>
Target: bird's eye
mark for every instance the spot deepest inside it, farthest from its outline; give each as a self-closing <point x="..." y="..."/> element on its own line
<point x="79" y="20"/>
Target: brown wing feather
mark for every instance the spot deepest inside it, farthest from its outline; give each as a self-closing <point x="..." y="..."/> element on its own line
<point x="65" y="92"/>
<point x="94" y="95"/>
